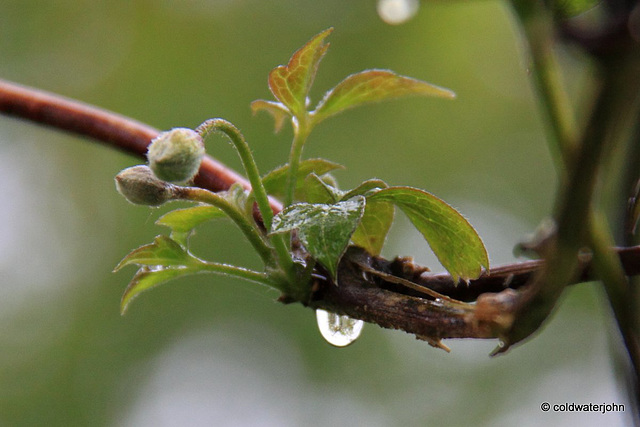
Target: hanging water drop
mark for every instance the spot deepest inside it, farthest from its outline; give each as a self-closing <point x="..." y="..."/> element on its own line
<point x="395" y="12"/>
<point x="338" y="330"/>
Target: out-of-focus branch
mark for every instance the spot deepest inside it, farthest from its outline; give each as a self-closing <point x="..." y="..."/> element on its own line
<point x="615" y="53"/>
<point x="103" y="126"/>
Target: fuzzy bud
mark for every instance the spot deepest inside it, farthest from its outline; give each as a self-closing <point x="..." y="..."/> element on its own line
<point x="141" y="187"/>
<point x="175" y="155"/>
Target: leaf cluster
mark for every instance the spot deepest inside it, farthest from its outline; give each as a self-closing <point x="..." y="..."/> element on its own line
<point x="317" y="214"/>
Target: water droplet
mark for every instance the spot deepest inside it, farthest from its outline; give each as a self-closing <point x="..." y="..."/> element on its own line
<point x="395" y="12"/>
<point x="338" y="330"/>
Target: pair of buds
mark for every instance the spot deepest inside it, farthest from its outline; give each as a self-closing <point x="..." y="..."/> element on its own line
<point x="174" y="157"/>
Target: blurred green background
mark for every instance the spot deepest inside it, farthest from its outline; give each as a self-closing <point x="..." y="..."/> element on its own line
<point x="211" y="351"/>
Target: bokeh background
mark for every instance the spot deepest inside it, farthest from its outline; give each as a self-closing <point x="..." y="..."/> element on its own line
<point x="208" y="351"/>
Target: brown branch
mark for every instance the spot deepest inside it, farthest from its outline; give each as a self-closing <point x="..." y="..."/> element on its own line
<point x="103" y="126"/>
<point x="372" y="299"/>
<point x="389" y="305"/>
<point x="513" y="276"/>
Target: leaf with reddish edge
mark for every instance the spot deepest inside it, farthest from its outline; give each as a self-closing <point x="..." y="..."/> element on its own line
<point x="373" y="86"/>
<point x="290" y="83"/>
<point x="454" y="241"/>
<point x="277" y="110"/>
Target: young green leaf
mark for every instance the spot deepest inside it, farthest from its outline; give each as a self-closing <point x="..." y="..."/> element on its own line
<point x="373" y="86"/>
<point x="376" y="220"/>
<point x="183" y="221"/>
<point x="570" y="8"/>
<point x="239" y="198"/>
<point x="162" y="252"/>
<point x="317" y="190"/>
<point x="290" y="84"/>
<point x="374" y="227"/>
<point x="324" y="230"/>
<point x="147" y="278"/>
<point x="277" y="110"/>
<point x="364" y="188"/>
<point x="454" y="241"/>
<point x="275" y="181"/>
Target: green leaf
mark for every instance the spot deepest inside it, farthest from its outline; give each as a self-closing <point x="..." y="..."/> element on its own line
<point x="290" y="84"/>
<point x="239" y="198"/>
<point x="374" y="227"/>
<point x="454" y="241"/>
<point x="183" y="221"/>
<point x="330" y="180"/>
<point x="373" y="86"/>
<point x="317" y="190"/>
<point x="147" y="278"/>
<point x="275" y="182"/>
<point x="324" y="230"/>
<point x="365" y="187"/>
<point x="162" y="252"/>
<point x="277" y="110"/>
<point x="376" y="220"/>
<point x="570" y="8"/>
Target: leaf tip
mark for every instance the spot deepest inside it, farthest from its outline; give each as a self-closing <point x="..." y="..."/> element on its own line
<point x="125" y="261"/>
<point x="321" y="36"/>
<point x="328" y="31"/>
<point x="124" y="302"/>
<point x="290" y="84"/>
<point x="449" y="94"/>
<point x="278" y="112"/>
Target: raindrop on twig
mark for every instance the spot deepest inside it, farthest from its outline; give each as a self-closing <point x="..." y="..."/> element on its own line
<point x="338" y="330"/>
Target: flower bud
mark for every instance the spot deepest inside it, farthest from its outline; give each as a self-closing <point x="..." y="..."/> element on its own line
<point x="141" y="187"/>
<point x="175" y="155"/>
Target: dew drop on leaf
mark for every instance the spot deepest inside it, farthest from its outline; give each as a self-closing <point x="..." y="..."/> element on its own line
<point x="395" y="12"/>
<point x="338" y="330"/>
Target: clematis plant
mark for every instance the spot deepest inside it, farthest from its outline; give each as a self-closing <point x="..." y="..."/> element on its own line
<point x="319" y="221"/>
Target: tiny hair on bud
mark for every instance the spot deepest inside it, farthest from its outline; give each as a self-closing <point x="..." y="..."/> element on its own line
<point x="175" y="155"/>
<point x="141" y="187"/>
